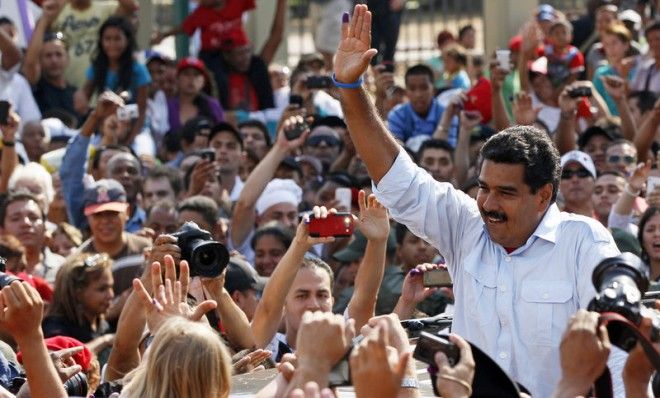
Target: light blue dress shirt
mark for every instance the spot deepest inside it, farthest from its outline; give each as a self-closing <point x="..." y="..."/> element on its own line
<point x="513" y="306"/>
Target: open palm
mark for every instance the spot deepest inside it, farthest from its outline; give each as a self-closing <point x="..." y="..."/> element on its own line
<point x="374" y="221"/>
<point x="354" y="52"/>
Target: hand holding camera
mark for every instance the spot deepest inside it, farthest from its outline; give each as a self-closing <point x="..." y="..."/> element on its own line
<point x="455" y="380"/>
<point x="293" y="133"/>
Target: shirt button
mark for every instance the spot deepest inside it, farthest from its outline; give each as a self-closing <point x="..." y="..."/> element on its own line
<point x="507" y="259"/>
<point x="503" y="355"/>
<point x="503" y="289"/>
<point x="546" y="295"/>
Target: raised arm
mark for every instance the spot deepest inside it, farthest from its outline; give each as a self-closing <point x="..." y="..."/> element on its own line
<point x="276" y="33"/>
<point x="9" y="158"/>
<point x="268" y="315"/>
<point x="11" y="54"/>
<point x="646" y="134"/>
<point x="243" y="217"/>
<point x="500" y="117"/>
<point x="366" y="128"/>
<point x="565" y="138"/>
<point x="374" y="223"/>
<point x="31" y="67"/>
<point x="462" y="153"/>
<point x="616" y="88"/>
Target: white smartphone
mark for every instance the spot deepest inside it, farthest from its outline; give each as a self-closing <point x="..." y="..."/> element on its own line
<point x="344" y="196"/>
<point x="652" y="183"/>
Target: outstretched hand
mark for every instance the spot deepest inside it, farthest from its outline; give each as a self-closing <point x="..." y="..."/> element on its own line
<point x="374" y="221"/>
<point x="354" y="52"/>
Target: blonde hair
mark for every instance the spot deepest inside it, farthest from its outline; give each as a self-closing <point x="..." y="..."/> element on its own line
<point x="77" y="272"/>
<point x="185" y="360"/>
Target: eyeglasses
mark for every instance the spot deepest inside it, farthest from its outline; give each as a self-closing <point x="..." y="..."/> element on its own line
<point x="581" y="173"/>
<point x="318" y="139"/>
<point x="627" y="159"/>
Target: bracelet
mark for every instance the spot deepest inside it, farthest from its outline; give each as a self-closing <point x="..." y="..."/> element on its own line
<point x="8" y="143"/>
<point x="357" y="84"/>
<point x="409" y="382"/>
<point x="626" y="189"/>
<point x="464" y="383"/>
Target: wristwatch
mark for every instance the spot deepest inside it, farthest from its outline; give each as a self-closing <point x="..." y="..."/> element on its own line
<point x="409" y="382"/>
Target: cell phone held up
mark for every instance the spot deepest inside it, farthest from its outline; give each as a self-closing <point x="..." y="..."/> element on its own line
<point x="437" y="278"/>
<point x="429" y="344"/>
<point x="4" y="112"/>
<point x="339" y="225"/>
<point x="579" y="92"/>
<point x="319" y="82"/>
<point x="296" y="130"/>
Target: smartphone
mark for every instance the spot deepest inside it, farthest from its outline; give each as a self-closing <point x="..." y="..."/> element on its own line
<point x="437" y="278"/>
<point x="339" y="225"/>
<point x="4" y="112"/>
<point x="128" y="112"/>
<point x="296" y="100"/>
<point x="296" y="131"/>
<point x="428" y="344"/>
<point x="319" y="82"/>
<point x="344" y="196"/>
<point x="207" y="154"/>
<point x="388" y="67"/>
<point x="578" y="92"/>
<point x="652" y="183"/>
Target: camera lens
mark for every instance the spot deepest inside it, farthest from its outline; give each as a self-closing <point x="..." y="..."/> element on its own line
<point x="208" y="258"/>
<point x="7" y="279"/>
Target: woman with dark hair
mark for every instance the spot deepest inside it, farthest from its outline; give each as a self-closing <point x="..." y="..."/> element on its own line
<point x="269" y="243"/>
<point x="649" y="239"/>
<point x="83" y="295"/>
<point x="115" y="68"/>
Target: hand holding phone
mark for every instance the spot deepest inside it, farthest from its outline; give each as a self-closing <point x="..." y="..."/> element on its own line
<point x="438" y="277"/>
<point x="429" y="344"/>
<point x="4" y="112"/>
<point x="294" y="131"/>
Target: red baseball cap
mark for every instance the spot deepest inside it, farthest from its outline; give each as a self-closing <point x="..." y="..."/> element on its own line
<point x="82" y="358"/>
<point x="191" y="62"/>
<point x="234" y="39"/>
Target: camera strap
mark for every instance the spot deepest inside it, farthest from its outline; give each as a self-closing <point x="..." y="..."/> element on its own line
<point x="603" y="385"/>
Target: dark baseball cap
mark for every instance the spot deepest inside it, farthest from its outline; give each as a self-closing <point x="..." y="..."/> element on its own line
<point x="104" y="195"/>
<point x="242" y="276"/>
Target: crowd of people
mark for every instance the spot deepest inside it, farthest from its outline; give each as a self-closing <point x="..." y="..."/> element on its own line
<point x="517" y="172"/>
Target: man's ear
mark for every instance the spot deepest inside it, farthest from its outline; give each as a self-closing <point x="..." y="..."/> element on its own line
<point x="236" y="296"/>
<point x="545" y="193"/>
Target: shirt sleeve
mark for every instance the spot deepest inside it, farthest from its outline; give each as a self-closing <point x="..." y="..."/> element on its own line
<point x="577" y="63"/>
<point x="141" y="74"/>
<point x="191" y="23"/>
<point x="436" y="212"/>
<point x="72" y="172"/>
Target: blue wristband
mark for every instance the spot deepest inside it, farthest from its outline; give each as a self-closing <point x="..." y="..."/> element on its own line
<point x="357" y="84"/>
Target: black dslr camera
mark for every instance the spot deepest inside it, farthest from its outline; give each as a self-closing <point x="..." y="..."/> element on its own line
<point x="5" y="278"/>
<point x="620" y="283"/>
<point x="205" y="256"/>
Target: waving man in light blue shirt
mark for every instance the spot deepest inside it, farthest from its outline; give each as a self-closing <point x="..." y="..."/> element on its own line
<point x="520" y="267"/>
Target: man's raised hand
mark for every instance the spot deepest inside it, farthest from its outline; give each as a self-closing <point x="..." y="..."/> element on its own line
<point x="354" y="52"/>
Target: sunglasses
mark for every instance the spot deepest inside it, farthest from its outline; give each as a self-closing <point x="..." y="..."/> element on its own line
<point x="627" y="159"/>
<point x="318" y="139"/>
<point x="581" y="173"/>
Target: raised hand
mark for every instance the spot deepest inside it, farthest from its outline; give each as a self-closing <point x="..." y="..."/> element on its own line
<point x="456" y="381"/>
<point x="639" y="176"/>
<point x="523" y="112"/>
<point x="289" y="125"/>
<point x="374" y="221"/>
<point x="354" y="52"/>
<point x="615" y="87"/>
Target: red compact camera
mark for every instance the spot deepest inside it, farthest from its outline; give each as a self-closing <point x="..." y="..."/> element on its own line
<point x="338" y="225"/>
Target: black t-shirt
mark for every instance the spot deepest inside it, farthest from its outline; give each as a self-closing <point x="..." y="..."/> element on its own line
<point x="49" y="97"/>
<point x="57" y="325"/>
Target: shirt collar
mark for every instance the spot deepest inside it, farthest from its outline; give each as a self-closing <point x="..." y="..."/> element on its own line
<point x="547" y="228"/>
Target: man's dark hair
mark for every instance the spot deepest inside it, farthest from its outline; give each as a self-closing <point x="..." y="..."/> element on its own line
<point x="99" y="151"/>
<point x="275" y="230"/>
<point x="172" y="175"/>
<point x="5" y="20"/>
<point x="464" y="30"/>
<point x="435" y="143"/>
<point x="17" y="197"/>
<point x="530" y="147"/>
<point x="654" y="26"/>
<point x="203" y="205"/>
<point x="189" y="130"/>
<point x="224" y="127"/>
<point x="420" y="70"/>
<point x="645" y="99"/>
<point x="259" y="125"/>
<point x="400" y="231"/>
